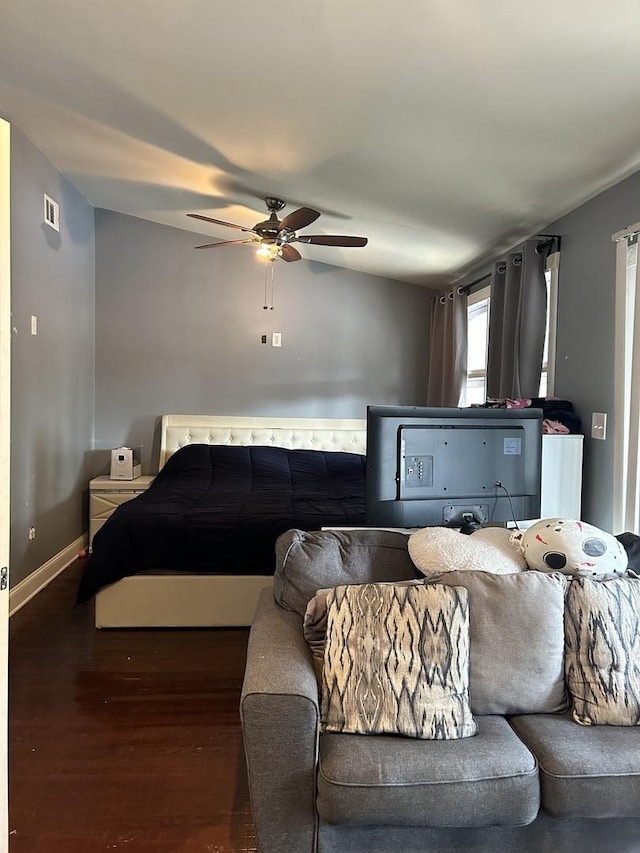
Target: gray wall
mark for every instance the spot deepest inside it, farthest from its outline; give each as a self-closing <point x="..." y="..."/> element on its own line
<point x="179" y="330"/>
<point x="585" y="359"/>
<point x="52" y="277"/>
<point x="586" y="330"/>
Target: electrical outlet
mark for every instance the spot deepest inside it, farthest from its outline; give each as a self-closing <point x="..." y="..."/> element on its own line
<point x="32" y="534"/>
<point x="263" y="339"/>
<point x="276" y="339"/>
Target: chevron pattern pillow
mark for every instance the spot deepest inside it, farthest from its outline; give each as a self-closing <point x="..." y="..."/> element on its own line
<point x="602" y="651"/>
<point x="397" y="661"/>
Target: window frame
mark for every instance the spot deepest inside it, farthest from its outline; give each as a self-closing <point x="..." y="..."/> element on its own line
<point x="626" y="478"/>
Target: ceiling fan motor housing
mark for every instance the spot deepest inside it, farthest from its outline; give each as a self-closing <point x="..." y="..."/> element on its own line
<point x="268" y="230"/>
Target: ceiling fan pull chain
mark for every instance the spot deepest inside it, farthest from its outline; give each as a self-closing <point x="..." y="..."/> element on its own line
<point x="272" y="277"/>
<point x="265" y="306"/>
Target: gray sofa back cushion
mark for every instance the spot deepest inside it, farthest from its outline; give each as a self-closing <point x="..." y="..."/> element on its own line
<point x="517" y="641"/>
<point x="310" y="560"/>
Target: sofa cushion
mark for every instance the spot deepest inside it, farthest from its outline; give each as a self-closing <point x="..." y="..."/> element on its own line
<point x="602" y="655"/>
<point x="442" y="549"/>
<point x="489" y="779"/>
<point x="584" y="772"/>
<point x="397" y="661"/>
<point x="309" y="560"/>
<point x="517" y="641"/>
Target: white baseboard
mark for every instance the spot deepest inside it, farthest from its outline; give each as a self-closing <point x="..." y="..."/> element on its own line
<point x="24" y="591"/>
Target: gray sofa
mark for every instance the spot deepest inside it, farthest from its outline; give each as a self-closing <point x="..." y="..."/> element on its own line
<point x="531" y="782"/>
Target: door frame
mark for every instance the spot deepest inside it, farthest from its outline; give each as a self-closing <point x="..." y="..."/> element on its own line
<point x="5" y="461"/>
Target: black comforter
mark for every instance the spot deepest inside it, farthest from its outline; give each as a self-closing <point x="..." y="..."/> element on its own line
<point x="219" y="510"/>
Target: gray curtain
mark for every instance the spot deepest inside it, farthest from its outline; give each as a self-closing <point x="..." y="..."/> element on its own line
<point x="517" y="323"/>
<point x="447" y="348"/>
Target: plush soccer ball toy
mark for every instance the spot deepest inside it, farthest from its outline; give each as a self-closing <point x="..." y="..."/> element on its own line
<point x="573" y="548"/>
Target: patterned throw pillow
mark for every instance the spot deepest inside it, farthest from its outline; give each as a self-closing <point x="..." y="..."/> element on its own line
<point x="602" y="651"/>
<point x="397" y="661"/>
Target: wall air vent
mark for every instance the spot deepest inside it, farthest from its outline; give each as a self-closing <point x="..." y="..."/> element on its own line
<point x="51" y="212"/>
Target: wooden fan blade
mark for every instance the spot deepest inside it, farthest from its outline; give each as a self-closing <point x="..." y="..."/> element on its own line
<point x="299" y="219"/>
<point x="218" y="221"/>
<point x="332" y="240"/>
<point x="288" y="253"/>
<point x="222" y="243"/>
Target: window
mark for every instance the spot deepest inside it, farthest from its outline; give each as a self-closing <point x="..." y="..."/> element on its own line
<point x="477" y="339"/>
<point x="478" y="307"/>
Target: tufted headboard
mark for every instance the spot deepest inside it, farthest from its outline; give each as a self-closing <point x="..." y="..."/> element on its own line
<point x="303" y="433"/>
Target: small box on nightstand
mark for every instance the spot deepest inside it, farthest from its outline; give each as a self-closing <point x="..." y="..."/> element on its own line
<point x="125" y="463"/>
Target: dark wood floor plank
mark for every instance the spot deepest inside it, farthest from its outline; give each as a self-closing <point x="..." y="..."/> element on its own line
<point x="123" y="740"/>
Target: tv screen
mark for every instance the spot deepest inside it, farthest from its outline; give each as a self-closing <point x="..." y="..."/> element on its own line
<point x="430" y="466"/>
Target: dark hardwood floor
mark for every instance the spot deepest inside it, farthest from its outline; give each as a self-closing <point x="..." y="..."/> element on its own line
<point x="123" y="740"/>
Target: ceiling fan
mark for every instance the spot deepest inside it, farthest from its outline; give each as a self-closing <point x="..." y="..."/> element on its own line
<point x="275" y="236"/>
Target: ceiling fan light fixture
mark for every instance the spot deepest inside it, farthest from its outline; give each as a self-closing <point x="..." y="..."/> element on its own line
<point x="269" y="251"/>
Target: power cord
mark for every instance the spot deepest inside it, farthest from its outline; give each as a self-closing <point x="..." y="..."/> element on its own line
<point x="499" y="485"/>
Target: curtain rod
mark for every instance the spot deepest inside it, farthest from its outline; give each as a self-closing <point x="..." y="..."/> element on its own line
<point x="551" y="239"/>
<point x="467" y="287"/>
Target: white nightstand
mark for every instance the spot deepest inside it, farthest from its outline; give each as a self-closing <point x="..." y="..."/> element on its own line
<point x="106" y="495"/>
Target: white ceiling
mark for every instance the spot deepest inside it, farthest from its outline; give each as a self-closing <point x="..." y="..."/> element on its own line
<point x="443" y="130"/>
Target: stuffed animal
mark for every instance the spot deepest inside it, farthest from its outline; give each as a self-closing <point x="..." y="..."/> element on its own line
<point x="573" y="548"/>
<point x="442" y="549"/>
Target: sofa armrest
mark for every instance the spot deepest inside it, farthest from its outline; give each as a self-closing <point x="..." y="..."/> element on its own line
<point x="280" y="714"/>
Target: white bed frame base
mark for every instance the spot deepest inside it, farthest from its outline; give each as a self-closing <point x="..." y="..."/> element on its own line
<point x="199" y="601"/>
<point x="180" y="601"/>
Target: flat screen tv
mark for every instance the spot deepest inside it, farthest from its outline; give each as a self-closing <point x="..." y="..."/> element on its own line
<point x="450" y="467"/>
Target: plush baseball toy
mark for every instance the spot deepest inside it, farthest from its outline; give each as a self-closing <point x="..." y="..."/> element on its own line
<point x="572" y="547"/>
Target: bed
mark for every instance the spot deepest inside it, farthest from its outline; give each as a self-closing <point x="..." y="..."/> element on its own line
<point x="243" y="480"/>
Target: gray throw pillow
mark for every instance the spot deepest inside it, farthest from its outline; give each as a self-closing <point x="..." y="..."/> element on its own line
<point x="310" y="560"/>
<point x="397" y="661"/>
<point x="602" y="655"/>
<point x="517" y="641"/>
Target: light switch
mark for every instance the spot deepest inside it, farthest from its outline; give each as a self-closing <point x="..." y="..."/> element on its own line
<point x="34" y="324"/>
<point x="599" y="425"/>
<point x="276" y="339"/>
